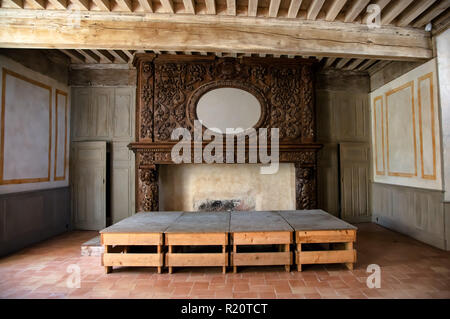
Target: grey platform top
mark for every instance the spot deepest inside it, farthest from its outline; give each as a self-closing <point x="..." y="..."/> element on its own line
<point x="258" y="221"/>
<point x="201" y="222"/>
<point x="151" y="222"/>
<point x="314" y="220"/>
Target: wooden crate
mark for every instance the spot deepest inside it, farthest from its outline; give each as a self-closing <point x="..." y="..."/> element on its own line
<point x="339" y="244"/>
<point x="280" y="239"/>
<point x="182" y="259"/>
<point x="119" y="247"/>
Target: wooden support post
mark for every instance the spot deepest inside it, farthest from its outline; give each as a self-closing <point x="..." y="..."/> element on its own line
<point x="234" y="253"/>
<point x="170" y="251"/>
<point x="159" y="252"/>
<point x="288" y="266"/>
<point x="224" y="251"/>
<point x="108" y="269"/>
<point x="299" y="249"/>
<point x="349" y="246"/>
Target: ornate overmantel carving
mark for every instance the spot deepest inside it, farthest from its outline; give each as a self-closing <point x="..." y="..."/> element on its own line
<point x="168" y="88"/>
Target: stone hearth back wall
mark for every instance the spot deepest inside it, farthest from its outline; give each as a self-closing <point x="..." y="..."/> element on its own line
<point x="182" y="186"/>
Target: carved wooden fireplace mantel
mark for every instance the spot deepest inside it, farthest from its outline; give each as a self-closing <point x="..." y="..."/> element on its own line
<point x="169" y="87"/>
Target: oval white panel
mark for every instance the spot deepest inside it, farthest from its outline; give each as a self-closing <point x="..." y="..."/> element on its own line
<point x="224" y="108"/>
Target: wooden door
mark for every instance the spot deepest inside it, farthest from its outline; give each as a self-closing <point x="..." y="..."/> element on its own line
<point x="122" y="182"/>
<point x="89" y="185"/>
<point x="354" y="186"/>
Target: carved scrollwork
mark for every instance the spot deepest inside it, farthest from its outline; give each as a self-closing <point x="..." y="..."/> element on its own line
<point x="148" y="189"/>
<point x="305" y="187"/>
<point x="146" y="103"/>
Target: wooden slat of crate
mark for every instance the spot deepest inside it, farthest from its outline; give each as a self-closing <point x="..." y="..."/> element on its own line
<point x="261" y="259"/>
<point x="326" y="236"/>
<point x="196" y="239"/>
<point x="262" y="238"/>
<point x="130" y="259"/>
<point x="132" y="239"/>
<point x="326" y="257"/>
<point x="198" y="259"/>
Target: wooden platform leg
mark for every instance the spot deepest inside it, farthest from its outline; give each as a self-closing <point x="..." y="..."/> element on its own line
<point x="224" y="251"/>
<point x="349" y="246"/>
<point x="286" y="248"/>
<point x="108" y="269"/>
<point x="170" y="267"/>
<point x="299" y="264"/>
<point x="234" y="252"/>
<point x="158" y="249"/>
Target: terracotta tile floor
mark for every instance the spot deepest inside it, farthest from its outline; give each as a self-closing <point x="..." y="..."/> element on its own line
<point x="409" y="269"/>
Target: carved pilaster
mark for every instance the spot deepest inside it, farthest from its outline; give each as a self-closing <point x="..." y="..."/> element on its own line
<point x="147" y="183"/>
<point x="305" y="187"/>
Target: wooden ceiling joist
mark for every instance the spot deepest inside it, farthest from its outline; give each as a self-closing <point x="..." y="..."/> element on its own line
<point x="215" y="34"/>
<point x="252" y="8"/>
<point x="17" y="4"/>
<point x="119" y="56"/>
<point x="389" y="15"/>
<point x="334" y="9"/>
<point x="366" y="65"/>
<point x="40" y="4"/>
<point x="74" y="56"/>
<point x="274" y="6"/>
<point x="189" y="6"/>
<point x="314" y="9"/>
<point x="125" y="5"/>
<point x="231" y="7"/>
<point x="146" y="5"/>
<point x="210" y="6"/>
<point x="413" y="12"/>
<point x="104" y="5"/>
<point x="168" y="6"/>
<point x="431" y="13"/>
<point x="82" y="4"/>
<point x="60" y="4"/>
<point x="329" y="62"/>
<point x="354" y="11"/>
<point x="90" y="56"/>
<point x="294" y="6"/>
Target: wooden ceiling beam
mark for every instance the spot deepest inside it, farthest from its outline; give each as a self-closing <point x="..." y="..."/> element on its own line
<point x="210" y="7"/>
<point x="273" y="8"/>
<point x="146" y="5"/>
<point x="354" y="11"/>
<point x="394" y="11"/>
<point x="413" y="12"/>
<point x="431" y="13"/>
<point x="20" y="29"/>
<point x="314" y="9"/>
<point x="294" y="6"/>
<point x="334" y="9"/>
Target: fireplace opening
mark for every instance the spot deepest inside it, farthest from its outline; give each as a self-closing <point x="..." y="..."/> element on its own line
<point x="225" y="187"/>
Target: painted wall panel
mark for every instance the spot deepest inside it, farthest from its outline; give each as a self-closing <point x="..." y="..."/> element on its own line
<point x="405" y="134"/>
<point x="29" y="126"/>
